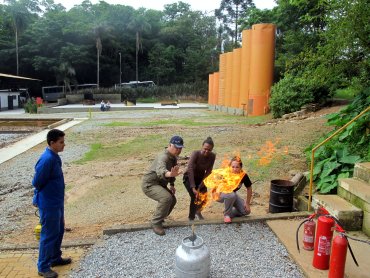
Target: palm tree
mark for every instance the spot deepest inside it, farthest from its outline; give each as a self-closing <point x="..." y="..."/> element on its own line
<point x="98" y="31"/>
<point x="20" y="11"/>
<point x="139" y="24"/>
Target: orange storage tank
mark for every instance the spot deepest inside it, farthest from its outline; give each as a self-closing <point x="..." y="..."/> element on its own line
<point x="261" y="68"/>
<point x="229" y="77"/>
<point x="216" y="83"/>
<point x="244" y="69"/>
<point x="222" y="77"/>
<point x="210" y="88"/>
<point x="235" y="87"/>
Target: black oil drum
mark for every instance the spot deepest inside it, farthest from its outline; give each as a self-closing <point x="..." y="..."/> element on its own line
<point x="281" y="196"/>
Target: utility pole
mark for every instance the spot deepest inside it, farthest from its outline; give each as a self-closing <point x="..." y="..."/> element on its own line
<point x="120" y="70"/>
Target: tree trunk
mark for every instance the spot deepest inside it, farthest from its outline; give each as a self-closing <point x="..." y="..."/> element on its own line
<point x="16" y="49"/>
<point x="137" y="57"/>
<point x="97" y="71"/>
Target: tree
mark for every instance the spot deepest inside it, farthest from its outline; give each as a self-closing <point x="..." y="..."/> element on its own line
<point x="229" y="13"/>
<point x="139" y="25"/>
<point x="22" y="12"/>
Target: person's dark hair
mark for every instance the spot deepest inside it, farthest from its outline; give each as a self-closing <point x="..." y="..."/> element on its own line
<point x="54" y="135"/>
<point x="237" y="158"/>
<point x="208" y="141"/>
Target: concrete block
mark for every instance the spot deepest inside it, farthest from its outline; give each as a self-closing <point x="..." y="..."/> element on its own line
<point x="349" y="215"/>
<point x="356" y="187"/>
<point x="362" y="171"/>
<point x="366" y="223"/>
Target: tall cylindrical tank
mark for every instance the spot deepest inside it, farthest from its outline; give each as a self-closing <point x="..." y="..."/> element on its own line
<point x="210" y="88"/>
<point x="192" y="259"/>
<point x="216" y="83"/>
<point x="261" y="68"/>
<point x="235" y="87"/>
<point x="222" y="76"/>
<point x="245" y="68"/>
<point x="229" y="76"/>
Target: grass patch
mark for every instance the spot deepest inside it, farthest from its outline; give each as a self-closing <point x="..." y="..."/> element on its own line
<point x="345" y="94"/>
<point x="205" y="121"/>
<point x="92" y="154"/>
<point x="125" y="149"/>
<point x="147" y="100"/>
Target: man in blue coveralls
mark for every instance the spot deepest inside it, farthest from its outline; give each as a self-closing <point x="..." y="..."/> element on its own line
<point x="49" y="198"/>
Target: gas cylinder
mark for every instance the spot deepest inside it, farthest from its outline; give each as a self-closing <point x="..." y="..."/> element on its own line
<point x="192" y="258"/>
<point x="338" y="257"/>
<point x="309" y="235"/>
<point x="37" y="231"/>
<point x="324" y="235"/>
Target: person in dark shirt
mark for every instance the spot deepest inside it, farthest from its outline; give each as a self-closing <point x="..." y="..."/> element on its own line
<point x="49" y="185"/>
<point x="199" y="167"/>
<point x="234" y="204"/>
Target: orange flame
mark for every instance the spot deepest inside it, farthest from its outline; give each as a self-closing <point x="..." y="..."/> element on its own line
<point x="268" y="151"/>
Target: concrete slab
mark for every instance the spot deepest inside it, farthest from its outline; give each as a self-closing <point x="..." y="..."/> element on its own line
<point x="362" y="171"/>
<point x="356" y="187"/>
<point x="349" y="215"/>
<point x="29" y="142"/>
<point x="167" y="224"/>
<point x="285" y="230"/>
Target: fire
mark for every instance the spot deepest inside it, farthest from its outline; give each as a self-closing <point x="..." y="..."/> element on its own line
<point x="221" y="180"/>
<point x="268" y="151"/>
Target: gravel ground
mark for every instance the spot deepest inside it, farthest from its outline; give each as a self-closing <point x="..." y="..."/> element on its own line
<point x="237" y="250"/>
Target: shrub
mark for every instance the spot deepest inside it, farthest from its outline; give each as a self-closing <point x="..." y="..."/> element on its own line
<point x="288" y="95"/>
<point x="30" y="106"/>
<point x="291" y="93"/>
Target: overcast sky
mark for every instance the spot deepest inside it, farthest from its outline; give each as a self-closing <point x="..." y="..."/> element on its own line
<point x="201" y="5"/>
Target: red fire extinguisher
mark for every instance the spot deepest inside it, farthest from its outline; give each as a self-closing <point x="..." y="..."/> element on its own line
<point x="324" y="235"/>
<point x="309" y="234"/>
<point x="339" y="254"/>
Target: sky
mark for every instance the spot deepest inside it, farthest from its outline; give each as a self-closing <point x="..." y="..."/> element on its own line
<point x="201" y="5"/>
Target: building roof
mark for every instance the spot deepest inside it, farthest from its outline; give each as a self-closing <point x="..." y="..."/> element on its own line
<point x="17" y="76"/>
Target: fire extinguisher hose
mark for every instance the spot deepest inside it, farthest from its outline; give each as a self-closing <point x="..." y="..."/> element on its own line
<point x="296" y="234"/>
<point x="350" y="250"/>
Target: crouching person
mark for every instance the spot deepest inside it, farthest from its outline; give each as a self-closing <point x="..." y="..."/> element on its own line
<point x="235" y="205"/>
<point x="162" y="172"/>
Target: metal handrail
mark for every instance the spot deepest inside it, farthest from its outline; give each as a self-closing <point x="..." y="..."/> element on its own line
<point x="322" y="143"/>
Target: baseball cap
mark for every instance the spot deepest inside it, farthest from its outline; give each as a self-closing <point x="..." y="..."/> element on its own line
<point x="177" y="141"/>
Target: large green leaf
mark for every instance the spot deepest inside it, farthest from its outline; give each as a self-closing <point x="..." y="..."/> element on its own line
<point x="329" y="167"/>
<point x="327" y="187"/>
<point x="350" y="159"/>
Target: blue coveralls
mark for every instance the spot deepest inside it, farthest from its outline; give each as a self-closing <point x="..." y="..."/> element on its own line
<point x="49" y="198"/>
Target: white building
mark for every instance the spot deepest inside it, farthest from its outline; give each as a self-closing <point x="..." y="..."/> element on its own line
<point x="9" y="100"/>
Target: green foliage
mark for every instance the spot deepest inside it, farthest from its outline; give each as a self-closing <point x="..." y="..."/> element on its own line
<point x="336" y="158"/>
<point x="30" y="106"/>
<point x="289" y="95"/>
<point x="197" y="91"/>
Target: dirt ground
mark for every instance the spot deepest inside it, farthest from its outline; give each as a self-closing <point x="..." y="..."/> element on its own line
<point x="106" y="192"/>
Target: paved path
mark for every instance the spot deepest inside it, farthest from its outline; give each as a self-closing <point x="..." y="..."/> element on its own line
<point x="22" y="264"/>
<point x="33" y="140"/>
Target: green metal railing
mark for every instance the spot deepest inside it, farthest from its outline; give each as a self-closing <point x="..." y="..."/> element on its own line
<point x="322" y="143"/>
